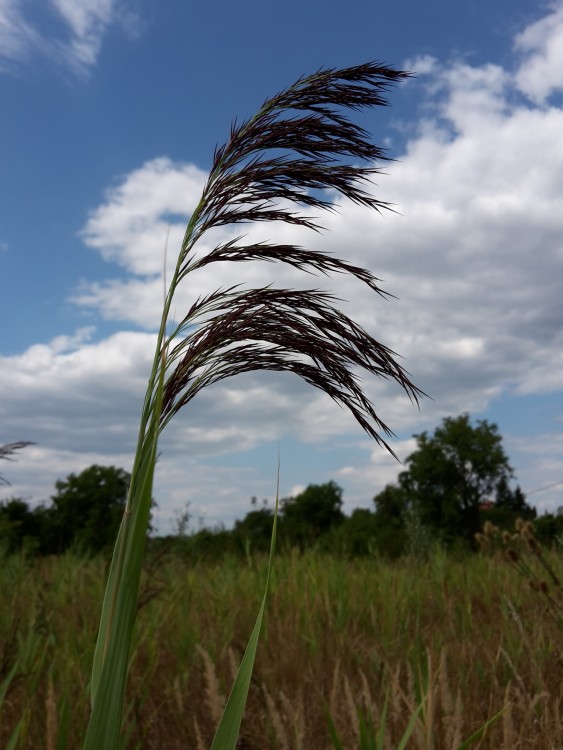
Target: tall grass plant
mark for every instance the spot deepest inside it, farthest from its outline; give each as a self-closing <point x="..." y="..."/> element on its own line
<point x="299" y="145"/>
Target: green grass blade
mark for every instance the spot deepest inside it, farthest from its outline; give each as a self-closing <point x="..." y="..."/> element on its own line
<point x="481" y="731"/>
<point x="119" y="610"/>
<point x="118" y="619"/>
<point x="112" y="587"/>
<point x="132" y="533"/>
<point x="4" y="687"/>
<point x="380" y="738"/>
<point x="229" y="726"/>
<point x="367" y="732"/>
<point x="336" y="741"/>
<point x="409" y="730"/>
<point x="63" y="725"/>
<point x="13" y="741"/>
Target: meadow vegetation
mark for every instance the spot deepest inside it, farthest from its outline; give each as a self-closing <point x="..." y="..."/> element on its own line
<point x="380" y="621"/>
<point x="347" y="643"/>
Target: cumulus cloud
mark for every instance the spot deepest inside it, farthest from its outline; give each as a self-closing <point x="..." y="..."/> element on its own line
<point x="132" y="225"/>
<point x="475" y="257"/>
<point x="541" y="44"/>
<point x="84" y="22"/>
<point x="73" y="392"/>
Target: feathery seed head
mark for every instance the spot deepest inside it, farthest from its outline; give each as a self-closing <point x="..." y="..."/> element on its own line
<point x="512" y="555"/>
<point x="544" y="588"/>
<point x="482" y="541"/>
<point x="489" y="529"/>
<point x="235" y="330"/>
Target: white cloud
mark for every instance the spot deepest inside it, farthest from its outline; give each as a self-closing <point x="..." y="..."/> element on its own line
<point x="17" y="36"/>
<point x="85" y="23"/>
<point x="423" y="65"/>
<point x="541" y="44"/>
<point x="131" y="227"/>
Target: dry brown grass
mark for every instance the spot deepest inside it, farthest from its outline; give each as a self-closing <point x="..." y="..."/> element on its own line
<point x="461" y="640"/>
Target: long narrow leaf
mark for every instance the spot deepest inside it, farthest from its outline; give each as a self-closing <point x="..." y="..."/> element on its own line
<point x="104" y="728"/>
<point x="229" y="726"/>
<point x="13" y="741"/>
<point x="5" y="686"/>
<point x="119" y="610"/>
<point x="481" y="731"/>
<point x="335" y="738"/>
<point x="410" y="728"/>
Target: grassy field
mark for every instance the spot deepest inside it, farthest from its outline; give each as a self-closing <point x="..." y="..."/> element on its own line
<point x="343" y="639"/>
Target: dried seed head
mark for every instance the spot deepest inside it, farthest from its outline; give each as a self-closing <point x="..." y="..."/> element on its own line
<point x="519" y="524"/>
<point x="543" y="587"/>
<point x="512" y="555"/>
<point x="482" y="541"/>
<point x="239" y="330"/>
<point x="506" y="538"/>
<point x="489" y="529"/>
<point x="532" y="545"/>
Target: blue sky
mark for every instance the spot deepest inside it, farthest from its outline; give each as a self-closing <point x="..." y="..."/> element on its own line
<point x="109" y="114"/>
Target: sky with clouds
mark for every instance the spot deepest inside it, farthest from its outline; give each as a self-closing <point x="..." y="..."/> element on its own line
<point x="109" y="114"/>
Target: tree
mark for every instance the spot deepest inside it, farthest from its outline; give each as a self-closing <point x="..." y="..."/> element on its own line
<point x="453" y="472"/>
<point x="255" y="529"/>
<point x="356" y="536"/>
<point x="390" y="506"/>
<point x="18" y="525"/>
<point x="549" y="529"/>
<point x="305" y="517"/>
<point x="87" y="509"/>
<point x="513" y="500"/>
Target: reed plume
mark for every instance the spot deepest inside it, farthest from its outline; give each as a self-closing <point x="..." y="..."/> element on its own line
<point x="10" y="449"/>
<point x="238" y="330"/>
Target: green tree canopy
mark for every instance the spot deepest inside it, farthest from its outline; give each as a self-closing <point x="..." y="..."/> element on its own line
<point x="87" y="508"/>
<point x="18" y="525"/>
<point x="451" y="474"/>
<point x="255" y="529"/>
<point x="305" y="517"/>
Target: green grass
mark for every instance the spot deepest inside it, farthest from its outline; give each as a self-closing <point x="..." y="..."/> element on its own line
<point x="460" y="640"/>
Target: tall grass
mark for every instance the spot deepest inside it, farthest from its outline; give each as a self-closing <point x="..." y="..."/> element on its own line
<point x="457" y="641"/>
<point x="299" y="145"/>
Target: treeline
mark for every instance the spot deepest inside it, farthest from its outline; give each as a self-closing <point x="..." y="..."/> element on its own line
<point x="456" y="480"/>
<point x="84" y="514"/>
